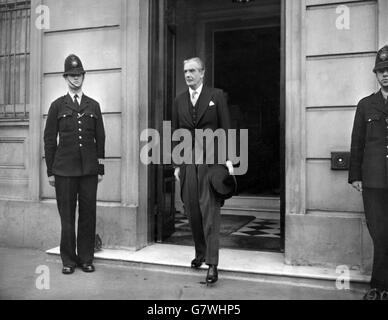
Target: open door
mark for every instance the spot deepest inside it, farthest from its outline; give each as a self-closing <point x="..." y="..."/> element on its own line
<point x="162" y="96"/>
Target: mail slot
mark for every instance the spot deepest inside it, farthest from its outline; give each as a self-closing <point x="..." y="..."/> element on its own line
<point x="340" y="160"/>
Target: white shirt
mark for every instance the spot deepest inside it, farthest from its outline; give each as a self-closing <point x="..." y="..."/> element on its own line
<point x="198" y="91"/>
<point x="79" y="99"/>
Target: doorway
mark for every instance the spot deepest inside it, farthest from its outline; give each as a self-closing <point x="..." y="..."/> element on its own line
<point x="241" y="46"/>
<point x="249" y="74"/>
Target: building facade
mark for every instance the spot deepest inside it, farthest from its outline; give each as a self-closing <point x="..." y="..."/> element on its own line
<point x="132" y="51"/>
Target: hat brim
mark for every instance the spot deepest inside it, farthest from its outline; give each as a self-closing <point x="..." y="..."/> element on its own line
<point x="380" y="66"/>
<point x="222" y="183"/>
<point x="74" y="72"/>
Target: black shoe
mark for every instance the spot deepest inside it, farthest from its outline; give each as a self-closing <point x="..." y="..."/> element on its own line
<point x="68" y="270"/>
<point x="87" y="267"/>
<point x="197" y="263"/>
<point x="212" y="275"/>
<point x="384" y="295"/>
<point x="372" y="294"/>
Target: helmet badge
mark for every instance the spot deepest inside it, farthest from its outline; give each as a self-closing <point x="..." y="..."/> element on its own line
<point x="384" y="56"/>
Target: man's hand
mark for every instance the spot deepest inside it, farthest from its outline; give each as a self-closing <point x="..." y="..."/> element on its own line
<point x="176" y="173"/>
<point x="357" y="185"/>
<point x="229" y="165"/>
<point x="52" y="181"/>
<point x="100" y="178"/>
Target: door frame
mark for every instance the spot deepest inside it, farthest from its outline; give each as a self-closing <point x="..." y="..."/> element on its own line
<point x="201" y="50"/>
<point x="160" y="95"/>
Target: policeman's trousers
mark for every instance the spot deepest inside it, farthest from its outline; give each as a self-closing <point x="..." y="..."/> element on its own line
<point x="376" y="214"/>
<point x="69" y="190"/>
<point x="203" y="211"/>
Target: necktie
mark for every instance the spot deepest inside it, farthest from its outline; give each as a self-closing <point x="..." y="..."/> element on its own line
<point x="194" y="97"/>
<point x="76" y="101"/>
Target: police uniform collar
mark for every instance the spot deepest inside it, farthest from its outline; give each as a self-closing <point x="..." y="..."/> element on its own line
<point x="80" y="94"/>
<point x="69" y="102"/>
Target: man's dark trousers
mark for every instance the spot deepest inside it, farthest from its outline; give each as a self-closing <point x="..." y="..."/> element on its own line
<point x="68" y="191"/>
<point x="203" y="211"/>
<point x="376" y="213"/>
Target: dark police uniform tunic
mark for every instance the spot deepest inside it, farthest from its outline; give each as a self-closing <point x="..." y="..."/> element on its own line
<point x="369" y="164"/>
<point x="81" y="138"/>
<point x="73" y="159"/>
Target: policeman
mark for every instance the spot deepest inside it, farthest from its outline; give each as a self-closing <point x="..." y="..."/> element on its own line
<point x="369" y="172"/>
<point x="73" y="165"/>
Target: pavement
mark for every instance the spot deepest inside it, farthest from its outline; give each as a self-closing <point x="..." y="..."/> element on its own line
<point x="34" y="275"/>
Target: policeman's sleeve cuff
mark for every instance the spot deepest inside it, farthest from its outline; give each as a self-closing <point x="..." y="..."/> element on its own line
<point x="101" y="169"/>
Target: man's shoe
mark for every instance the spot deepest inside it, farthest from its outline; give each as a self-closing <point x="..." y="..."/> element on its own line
<point x="372" y="294"/>
<point x="212" y="275"/>
<point x="87" y="267"/>
<point x="68" y="270"/>
<point x="197" y="263"/>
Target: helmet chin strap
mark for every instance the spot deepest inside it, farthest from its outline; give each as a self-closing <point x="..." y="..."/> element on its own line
<point x="75" y="85"/>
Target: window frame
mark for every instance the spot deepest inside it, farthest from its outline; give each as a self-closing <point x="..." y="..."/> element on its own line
<point x="17" y="51"/>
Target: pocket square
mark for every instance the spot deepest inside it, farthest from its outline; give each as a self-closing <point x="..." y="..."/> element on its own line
<point x="211" y="104"/>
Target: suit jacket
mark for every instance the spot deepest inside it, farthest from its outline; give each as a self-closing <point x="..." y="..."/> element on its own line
<point x="81" y="138"/>
<point x="212" y="113"/>
<point x="369" y="147"/>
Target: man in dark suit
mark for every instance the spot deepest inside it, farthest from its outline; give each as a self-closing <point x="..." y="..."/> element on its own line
<point x="369" y="172"/>
<point x="201" y="107"/>
<point x="73" y="165"/>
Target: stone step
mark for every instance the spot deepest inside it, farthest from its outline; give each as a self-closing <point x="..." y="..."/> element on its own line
<point x="262" y="214"/>
<point x="254" y="203"/>
<point x="234" y="264"/>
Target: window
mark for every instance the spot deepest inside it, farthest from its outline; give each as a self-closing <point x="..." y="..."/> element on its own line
<point x="14" y="58"/>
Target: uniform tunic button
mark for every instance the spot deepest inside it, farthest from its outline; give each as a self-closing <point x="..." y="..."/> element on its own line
<point x="80" y="137"/>
<point x="80" y="145"/>
<point x="79" y="129"/>
<point x="79" y="122"/>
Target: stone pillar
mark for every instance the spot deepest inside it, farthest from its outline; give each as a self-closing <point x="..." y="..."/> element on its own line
<point x="35" y="117"/>
<point x="295" y="155"/>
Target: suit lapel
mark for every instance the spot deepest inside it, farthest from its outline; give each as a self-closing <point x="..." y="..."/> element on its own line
<point x="184" y="104"/>
<point x="203" y="102"/>
<point x="378" y="103"/>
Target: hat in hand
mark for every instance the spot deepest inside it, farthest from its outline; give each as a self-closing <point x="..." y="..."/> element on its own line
<point x="223" y="184"/>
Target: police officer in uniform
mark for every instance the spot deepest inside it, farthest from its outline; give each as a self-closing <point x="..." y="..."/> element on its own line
<point x="73" y="165"/>
<point x="369" y="172"/>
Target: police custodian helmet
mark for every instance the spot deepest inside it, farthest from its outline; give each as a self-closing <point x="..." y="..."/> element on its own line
<point x="73" y="65"/>
<point x="381" y="59"/>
